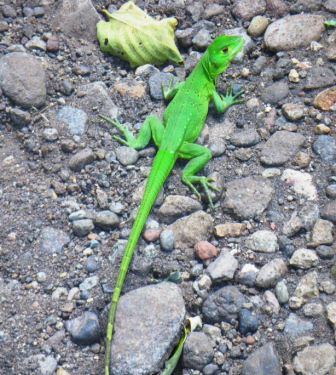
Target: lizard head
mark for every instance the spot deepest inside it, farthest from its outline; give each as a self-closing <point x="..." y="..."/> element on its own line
<point x="221" y="52"/>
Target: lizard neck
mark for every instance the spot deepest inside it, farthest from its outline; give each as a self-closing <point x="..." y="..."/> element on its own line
<point x="204" y="65"/>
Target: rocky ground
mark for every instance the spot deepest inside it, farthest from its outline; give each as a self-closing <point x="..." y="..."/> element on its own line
<point x="258" y="269"/>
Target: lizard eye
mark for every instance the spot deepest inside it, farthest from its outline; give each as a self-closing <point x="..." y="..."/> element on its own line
<point x="225" y="49"/>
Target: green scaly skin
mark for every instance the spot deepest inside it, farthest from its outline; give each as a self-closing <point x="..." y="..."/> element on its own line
<point x="183" y="122"/>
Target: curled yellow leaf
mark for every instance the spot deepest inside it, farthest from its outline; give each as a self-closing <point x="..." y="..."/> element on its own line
<point x="134" y="36"/>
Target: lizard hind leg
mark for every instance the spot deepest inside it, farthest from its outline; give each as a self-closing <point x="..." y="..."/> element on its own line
<point x="151" y="128"/>
<point x="199" y="157"/>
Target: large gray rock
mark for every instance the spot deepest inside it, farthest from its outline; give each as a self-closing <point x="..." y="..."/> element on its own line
<point x="264" y="361"/>
<point x="192" y="229"/>
<point x="53" y="240"/>
<point x="147" y="327"/>
<point x="319" y="77"/>
<point x="248" y="197"/>
<point x="223" y="305"/>
<point x="281" y="147"/>
<point x="23" y="79"/>
<point x="294" y="32"/>
<point x="176" y="206"/>
<point x="95" y="95"/>
<point x="77" y="19"/>
<point x="315" y="360"/>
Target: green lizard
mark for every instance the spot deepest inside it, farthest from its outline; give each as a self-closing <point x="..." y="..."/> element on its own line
<point x="183" y="122"/>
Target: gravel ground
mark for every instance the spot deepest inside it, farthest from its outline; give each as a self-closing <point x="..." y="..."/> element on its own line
<point x="259" y="270"/>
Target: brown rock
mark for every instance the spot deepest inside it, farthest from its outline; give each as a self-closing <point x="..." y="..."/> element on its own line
<point x="135" y="91"/>
<point x="53" y="44"/>
<point x="205" y="250"/>
<point x="151" y="235"/>
<point x="326" y="99"/>
<point x="230" y="229"/>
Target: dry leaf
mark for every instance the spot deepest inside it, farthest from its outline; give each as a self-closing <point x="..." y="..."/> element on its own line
<point x="134" y="36"/>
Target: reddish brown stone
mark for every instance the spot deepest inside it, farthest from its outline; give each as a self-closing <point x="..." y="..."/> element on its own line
<point x="326" y="99"/>
<point x="151" y="235"/>
<point x="205" y="250"/>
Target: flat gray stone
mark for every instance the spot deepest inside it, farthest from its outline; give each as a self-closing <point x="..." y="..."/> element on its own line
<point x="281" y="147"/>
<point x="325" y="148"/>
<point x="264" y="361"/>
<point x="275" y="92"/>
<point x="77" y="19"/>
<point x="319" y="77"/>
<point x="138" y="348"/>
<point x="248" y="197"/>
<point x="53" y="240"/>
<point x="73" y="118"/>
<point x="294" y="32"/>
<point x="175" y="206"/>
<point x="245" y="138"/>
<point x="296" y="326"/>
<point x="96" y="95"/>
<point x="23" y="79"/>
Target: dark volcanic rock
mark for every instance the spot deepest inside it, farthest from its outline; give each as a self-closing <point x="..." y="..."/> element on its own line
<point x="224" y="304"/>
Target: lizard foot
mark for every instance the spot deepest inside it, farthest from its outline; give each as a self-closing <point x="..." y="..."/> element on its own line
<point x="206" y="183"/>
<point x="129" y="139"/>
<point x="231" y="98"/>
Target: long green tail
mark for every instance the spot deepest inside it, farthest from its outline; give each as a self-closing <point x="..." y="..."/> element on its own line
<point x="161" y="168"/>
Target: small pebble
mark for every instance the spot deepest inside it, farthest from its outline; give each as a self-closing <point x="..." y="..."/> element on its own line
<point x="205" y="250"/>
<point x="167" y="240"/>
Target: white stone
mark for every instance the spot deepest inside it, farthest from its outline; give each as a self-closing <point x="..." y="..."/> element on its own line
<point x="301" y="182"/>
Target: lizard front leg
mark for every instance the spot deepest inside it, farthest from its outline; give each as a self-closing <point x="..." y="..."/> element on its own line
<point x="170" y="91"/>
<point x="151" y="128"/>
<point x="199" y="156"/>
<point x="222" y="103"/>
